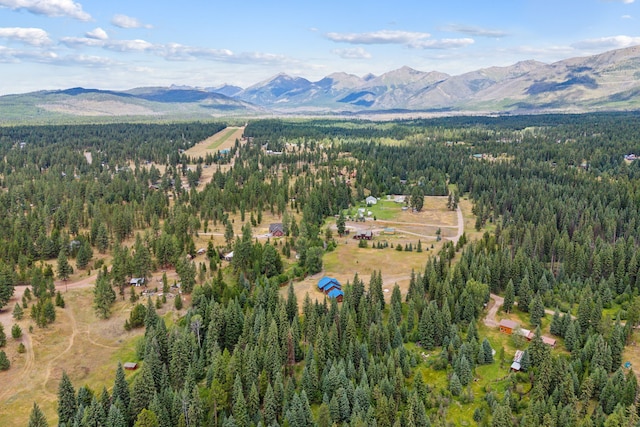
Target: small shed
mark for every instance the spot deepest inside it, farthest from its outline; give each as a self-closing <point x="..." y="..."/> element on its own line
<point x="507" y="326"/>
<point x="337" y="294"/>
<point x="136" y="281"/>
<point x="130" y="366"/>
<point x="276" y="229"/>
<point x="551" y="342"/>
<point x="229" y="256"/>
<point x="371" y="200"/>
<point x="201" y="251"/>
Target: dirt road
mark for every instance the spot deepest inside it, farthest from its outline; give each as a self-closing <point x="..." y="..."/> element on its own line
<point x="460" y="226"/>
<point x="490" y="318"/>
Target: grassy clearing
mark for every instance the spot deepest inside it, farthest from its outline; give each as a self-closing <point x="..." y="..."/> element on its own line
<point x="214" y="145"/>
<point x="384" y="209"/>
<point x="87" y="348"/>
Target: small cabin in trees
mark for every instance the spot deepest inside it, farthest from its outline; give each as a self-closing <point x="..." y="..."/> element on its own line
<point x="276" y="229"/>
<point x="137" y="281"/>
<point x="551" y="342"/>
<point x="130" y="366"/>
<point x="515" y="366"/>
<point x="507" y="326"/>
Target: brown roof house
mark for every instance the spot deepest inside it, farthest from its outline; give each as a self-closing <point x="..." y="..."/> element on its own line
<point x="508" y="326"/>
<point x="276" y="229"/>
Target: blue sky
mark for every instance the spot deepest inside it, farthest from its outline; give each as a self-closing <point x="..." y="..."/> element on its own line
<point x="118" y="44"/>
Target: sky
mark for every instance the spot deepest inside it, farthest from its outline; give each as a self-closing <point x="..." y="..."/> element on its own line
<point x="122" y="44"/>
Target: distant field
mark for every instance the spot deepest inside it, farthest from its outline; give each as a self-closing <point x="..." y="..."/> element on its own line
<point x="221" y="140"/>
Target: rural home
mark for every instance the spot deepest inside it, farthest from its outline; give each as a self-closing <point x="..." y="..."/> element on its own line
<point x="276" y="229"/>
<point x="363" y="235"/>
<point x="371" y="200"/>
<point x="507" y="326"/>
<point x="337" y="294"/>
<point x="327" y="284"/>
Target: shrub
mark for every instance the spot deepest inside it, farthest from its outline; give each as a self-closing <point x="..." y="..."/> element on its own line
<point x="16" y="331"/>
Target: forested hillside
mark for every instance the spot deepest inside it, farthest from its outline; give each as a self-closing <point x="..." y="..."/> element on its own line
<point x="557" y="211"/>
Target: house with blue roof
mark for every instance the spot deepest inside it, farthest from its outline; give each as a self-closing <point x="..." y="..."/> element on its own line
<point x="326" y="284"/>
<point x="336" y="293"/>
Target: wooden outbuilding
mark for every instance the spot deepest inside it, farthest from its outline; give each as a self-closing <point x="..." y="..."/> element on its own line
<point x="507" y="326"/>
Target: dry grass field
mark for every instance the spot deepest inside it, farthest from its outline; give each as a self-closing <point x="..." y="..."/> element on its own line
<point x="348" y="259"/>
<point x="87" y="348"/>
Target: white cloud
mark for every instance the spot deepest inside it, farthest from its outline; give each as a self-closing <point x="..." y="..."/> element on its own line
<point x="114" y="45"/>
<point x="98" y="34"/>
<point x="124" y="21"/>
<point x="178" y="52"/>
<point x="352" y="53"/>
<point x="613" y="42"/>
<point x="475" y="31"/>
<point x="175" y="51"/>
<point x="379" y="37"/>
<point x="627" y="17"/>
<point x="49" y="8"/>
<point x="443" y="43"/>
<point x="31" y="36"/>
<point x="129" y="45"/>
<point x="405" y="38"/>
<point x="8" y="55"/>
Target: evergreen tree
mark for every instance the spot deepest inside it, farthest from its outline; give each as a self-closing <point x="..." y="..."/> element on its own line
<point x="536" y="310"/>
<point x="455" y="387"/>
<point x="340" y="224"/>
<point x="16" y="331"/>
<point x="509" y="297"/>
<point x="37" y="418"/>
<point x="115" y="418"/>
<point x="66" y="400"/>
<point x="18" y="312"/>
<point x="103" y="296"/>
<point x="121" y="389"/>
<point x="3" y="336"/>
<point x="142" y="391"/>
<point x="556" y="324"/>
<point x="417" y="198"/>
<point x="146" y="418"/>
<point x="488" y="351"/>
<point x="5" y="364"/>
<point x="85" y="254"/>
<point x="64" y="269"/>
<point x="524" y="294"/>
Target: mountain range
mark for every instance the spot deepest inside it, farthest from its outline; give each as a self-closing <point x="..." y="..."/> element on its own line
<point x="608" y="81"/>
